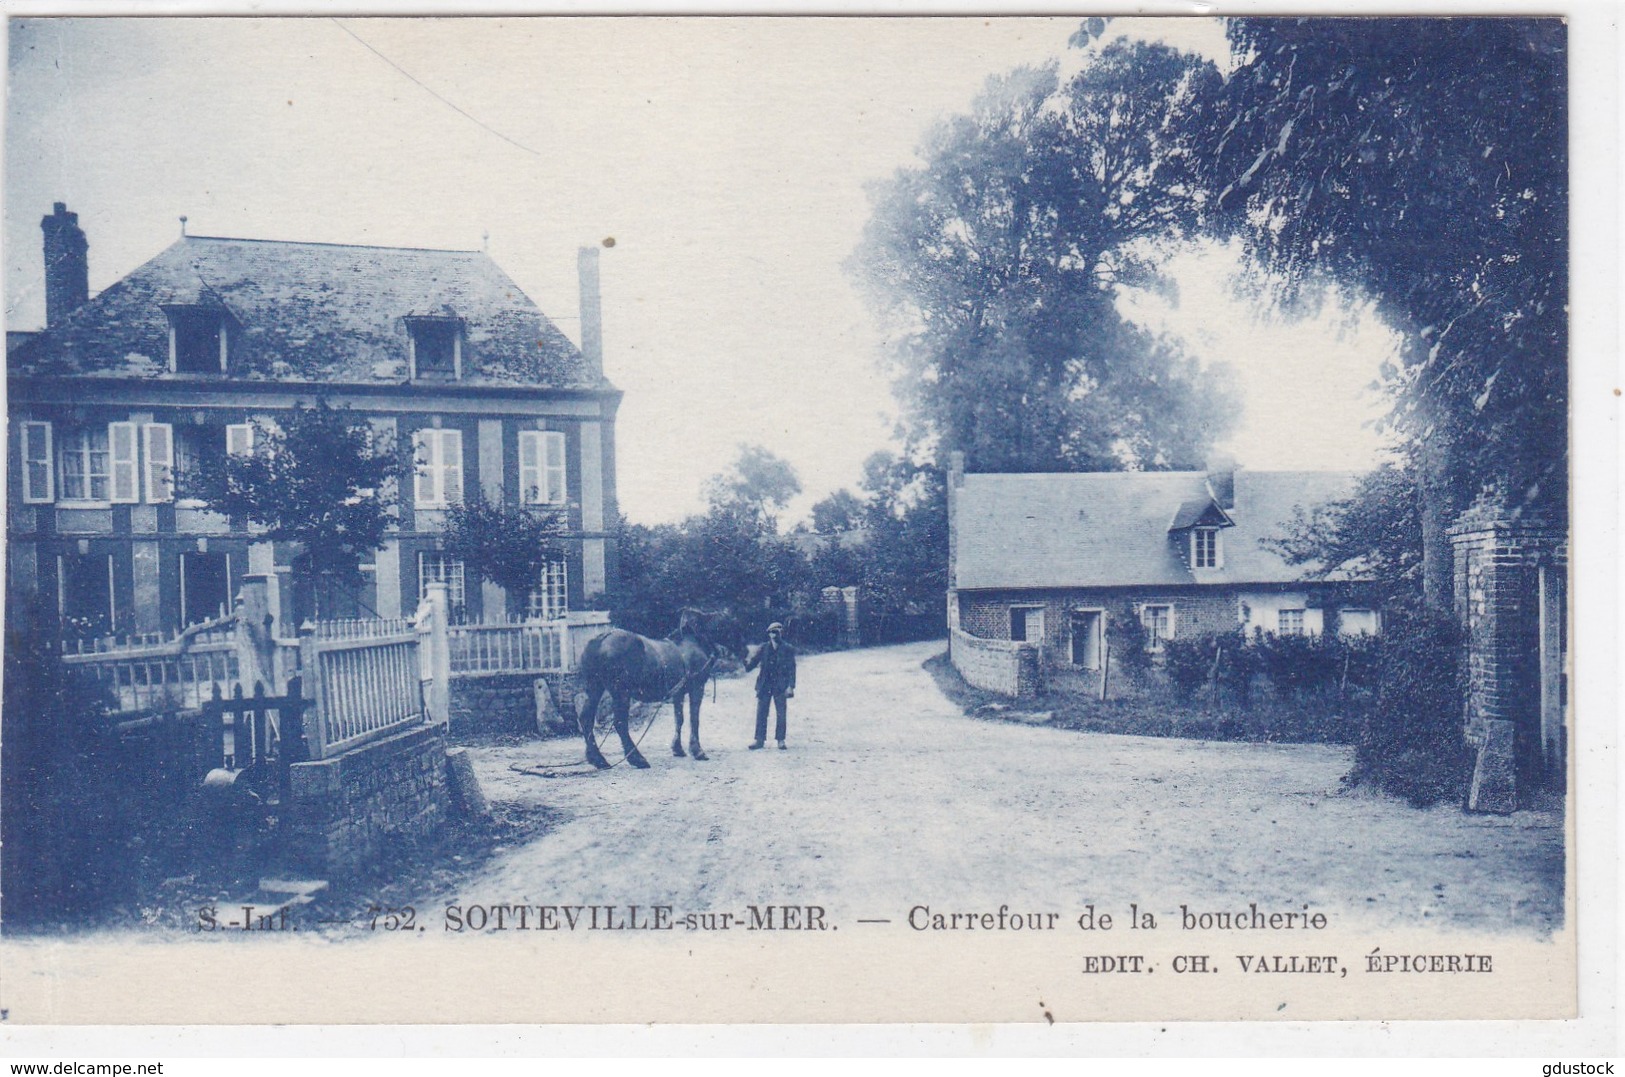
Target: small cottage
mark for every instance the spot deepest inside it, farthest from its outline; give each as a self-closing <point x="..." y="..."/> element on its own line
<point x="1052" y="560"/>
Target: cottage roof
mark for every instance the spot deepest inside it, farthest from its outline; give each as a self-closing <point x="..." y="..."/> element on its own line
<point x="313" y="312"/>
<point x="1110" y="529"/>
<point x="1199" y="510"/>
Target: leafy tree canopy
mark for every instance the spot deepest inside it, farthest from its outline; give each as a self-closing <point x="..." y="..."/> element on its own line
<point x="318" y="477"/>
<point x="1425" y="163"/>
<point x="1000" y="261"/>
<point x="755" y="489"/>
<point x="509" y="545"/>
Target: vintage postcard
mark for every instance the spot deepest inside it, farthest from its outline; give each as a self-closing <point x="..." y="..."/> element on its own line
<point x="735" y="520"/>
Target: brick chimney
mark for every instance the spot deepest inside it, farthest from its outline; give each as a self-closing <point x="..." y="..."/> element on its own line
<point x="592" y="319"/>
<point x="1221" y="480"/>
<point x="67" y="264"/>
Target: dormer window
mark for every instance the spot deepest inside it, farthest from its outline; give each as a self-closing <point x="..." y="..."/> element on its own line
<point x="197" y="340"/>
<point x="1206" y="551"/>
<point x="436" y="347"/>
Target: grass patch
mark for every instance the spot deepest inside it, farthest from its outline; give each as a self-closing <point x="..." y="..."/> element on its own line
<point x="1153" y="711"/>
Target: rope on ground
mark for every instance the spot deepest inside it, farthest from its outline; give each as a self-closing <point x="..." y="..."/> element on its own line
<point x="574" y="767"/>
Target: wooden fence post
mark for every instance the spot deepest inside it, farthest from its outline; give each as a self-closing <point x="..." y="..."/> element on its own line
<point x="256" y="662"/>
<point x="310" y="666"/>
<point x="438" y="703"/>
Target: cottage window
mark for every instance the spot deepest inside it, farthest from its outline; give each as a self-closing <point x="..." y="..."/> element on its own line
<point x="549" y="601"/>
<point x="1205" y="550"/>
<point x="443" y="568"/>
<point x="39" y="467"/>
<point x="1158" y="622"/>
<point x="85" y="464"/>
<point x="1289" y="622"/>
<point x="1357" y="622"/>
<point x="197" y="340"/>
<point x="1027" y="624"/>
<point x="437" y="348"/>
<point x="541" y="467"/>
<point x="439" y="479"/>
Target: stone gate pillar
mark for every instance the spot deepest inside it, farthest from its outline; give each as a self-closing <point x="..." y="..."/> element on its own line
<point x="1510" y="574"/>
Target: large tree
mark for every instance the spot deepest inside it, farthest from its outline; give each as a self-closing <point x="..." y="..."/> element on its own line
<point x="319" y="478"/>
<point x="1424" y="162"/>
<point x="1000" y="261"/>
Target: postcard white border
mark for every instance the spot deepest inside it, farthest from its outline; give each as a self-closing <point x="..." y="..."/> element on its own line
<point x="1595" y="416"/>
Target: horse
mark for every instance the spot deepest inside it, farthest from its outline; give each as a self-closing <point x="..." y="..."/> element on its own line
<point x="628" y="666"/>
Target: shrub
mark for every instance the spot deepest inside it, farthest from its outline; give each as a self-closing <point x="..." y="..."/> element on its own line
<point x="1411" y="742"/>
<point x="1189" y="663"/>
<point x="64" y="837"/>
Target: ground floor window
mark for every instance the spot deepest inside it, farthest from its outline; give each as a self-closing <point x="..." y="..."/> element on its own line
<point x="84" y="595"/>
<point x="205" y="587"/>
<point x="550" y="599"/>
<point x="434" y="567"/>
<point x="1158" y="622"/>
<point x="1289" y="622"/>
<point x="1357" y="622"/>
<point x="1027" y="624"/>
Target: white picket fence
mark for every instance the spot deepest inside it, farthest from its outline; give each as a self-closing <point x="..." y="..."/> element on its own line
<point x="152" y="672"/>
<point x="525" y="647"/>
<point x="365" y="678"/>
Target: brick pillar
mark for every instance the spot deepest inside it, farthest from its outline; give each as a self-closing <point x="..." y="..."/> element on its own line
<point x="1509" y="570"/>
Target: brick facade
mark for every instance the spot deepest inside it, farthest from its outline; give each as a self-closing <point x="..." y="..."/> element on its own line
<point x="1510" y="575"/>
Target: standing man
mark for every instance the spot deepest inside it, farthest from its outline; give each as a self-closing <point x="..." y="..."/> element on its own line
<point x="776" y="681"/>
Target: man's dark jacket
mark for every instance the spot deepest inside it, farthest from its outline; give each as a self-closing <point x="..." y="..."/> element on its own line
<point x="778" y="672"/>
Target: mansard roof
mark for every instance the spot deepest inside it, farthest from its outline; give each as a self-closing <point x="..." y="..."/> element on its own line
<point x="312" y="312"/>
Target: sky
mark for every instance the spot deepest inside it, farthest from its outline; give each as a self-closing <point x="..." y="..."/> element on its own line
<point x="728" y="160"/>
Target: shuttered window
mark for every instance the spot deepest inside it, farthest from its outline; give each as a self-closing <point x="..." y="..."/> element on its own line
<point x="439" y="479"/>
<point x="39" y="467"/>
<point x="159" y="445"/>
<point x="85" y="464"/>
<point x="541" y="467"/>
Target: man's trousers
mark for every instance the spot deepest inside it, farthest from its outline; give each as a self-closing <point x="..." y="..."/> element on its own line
<point x="761" y="716"/>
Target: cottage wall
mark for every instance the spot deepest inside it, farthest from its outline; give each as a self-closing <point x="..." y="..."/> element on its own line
<point x="997" y="665"/>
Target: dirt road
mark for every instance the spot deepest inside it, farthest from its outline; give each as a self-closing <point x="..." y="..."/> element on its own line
<point x="889" y="798"/>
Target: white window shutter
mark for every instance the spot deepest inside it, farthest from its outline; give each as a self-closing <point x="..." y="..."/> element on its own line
<point x="530" y="468"/>
<point x="124" y="486"/>
<point x="39" y="464"/>
<point x="159" y="444"/>
<point x="451" y="455"/>
<point x="555" y="467"/>
<point x="425" y="484"/>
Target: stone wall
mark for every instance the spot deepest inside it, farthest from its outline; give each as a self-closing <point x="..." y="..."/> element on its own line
<point x="996" y="665"/>
<point x="506" y="703"/>
<point x="344" y="813"/>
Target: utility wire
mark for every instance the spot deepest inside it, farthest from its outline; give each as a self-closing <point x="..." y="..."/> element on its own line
<point x="432" y="93"/>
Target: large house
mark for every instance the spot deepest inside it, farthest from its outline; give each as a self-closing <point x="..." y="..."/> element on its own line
<point x="439" y="350"/>
<point x="1053" y="559"/>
